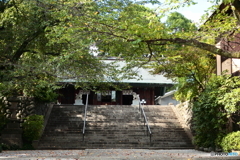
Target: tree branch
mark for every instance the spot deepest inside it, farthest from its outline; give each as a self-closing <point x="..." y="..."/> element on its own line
<point x="194" y="43"/>
<point x="25" y="43"/>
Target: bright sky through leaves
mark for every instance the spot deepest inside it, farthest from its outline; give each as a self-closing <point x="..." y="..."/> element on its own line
<point x="195" y="12"/>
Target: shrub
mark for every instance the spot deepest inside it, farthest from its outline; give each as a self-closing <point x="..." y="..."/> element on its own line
<point x="231" y="141"/>
<point x="212" y="110"/>
<point x="32" y="127"/>
<point x="209" y="117"/>
<point x="27" y="146"/>
<point x="4" y="146"/>
<point x="10" y="147"/>
<point x="3" y="121"/>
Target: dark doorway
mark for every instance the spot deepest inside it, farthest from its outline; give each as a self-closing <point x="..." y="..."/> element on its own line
<point x="84" y="99"/>
<point x="106" y="98"/>
<point x="67" y="94"/>
<point x="127" y="99"/>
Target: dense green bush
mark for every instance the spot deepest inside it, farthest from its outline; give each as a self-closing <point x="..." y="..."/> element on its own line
<point x="26" y="146"/>
<point x="10" y="147"/>
<point x="209" y="123"/>
<point x="32" y="127"/>
<point x="212" y="110"/>
<point x="231" y="142"/>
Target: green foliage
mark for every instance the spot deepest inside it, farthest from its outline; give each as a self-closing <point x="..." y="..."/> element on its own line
<point x="27" y="146"/>
<point x="49" y="41"/>
<point x="10" y="147"/>
<point x="186" y="89"/>
<point x="178" y="23"/>
<point x="32" y="127"/>
<point x="231" y="141"/>
<point x="231" y="101"/>
<point x="210" y="111"/>
<point x="189" y="67"/>
<point x="45" y="95"/>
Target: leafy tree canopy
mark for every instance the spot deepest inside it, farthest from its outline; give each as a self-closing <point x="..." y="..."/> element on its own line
<point x="177" y="22"/>
<point x="43" y="42"/>
<point x="48" y="41"/>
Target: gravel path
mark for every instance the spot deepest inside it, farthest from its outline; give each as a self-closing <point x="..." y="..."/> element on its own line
<point x="108" y="154"/>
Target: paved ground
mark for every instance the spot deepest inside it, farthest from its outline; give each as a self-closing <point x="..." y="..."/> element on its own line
<point x="108" y="154"/>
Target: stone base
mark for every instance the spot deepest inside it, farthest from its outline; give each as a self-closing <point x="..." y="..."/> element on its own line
<point x="12" y="135"/>
<point x="78" y="102"/>
<point x="35" y="144"/>
<point x="135" y="102"/>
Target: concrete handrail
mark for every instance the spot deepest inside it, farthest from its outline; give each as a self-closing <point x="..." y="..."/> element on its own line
<point x="145" y="121"/>
<point x="85" y="117"/>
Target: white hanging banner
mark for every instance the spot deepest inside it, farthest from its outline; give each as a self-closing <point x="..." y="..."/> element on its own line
<point x="106" y="93"/>
<point x="84" y="92"/>
<point x="127" y="92"/>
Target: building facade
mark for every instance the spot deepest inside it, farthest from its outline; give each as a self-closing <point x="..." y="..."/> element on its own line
<point x="146" y="89"/>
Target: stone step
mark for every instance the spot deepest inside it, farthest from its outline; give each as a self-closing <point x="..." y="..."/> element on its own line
<point x="113" y="117"/>
<point x="115" y="128"/>
<point x="110" y="140"/>
<point x="111" y="120"/>
<point x="62" y="131"/>
<point x="113" y="124"/>
<point x="110" y="126"/>
<point x="170" y="139"/>
<point x="72" y="126"/>
<point x="162" y="120"/>
<point x="64" y="145"/>
<point x="115" y="133"/>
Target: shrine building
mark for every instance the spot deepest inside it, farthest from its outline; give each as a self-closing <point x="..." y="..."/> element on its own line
<point x="146" y="90"/>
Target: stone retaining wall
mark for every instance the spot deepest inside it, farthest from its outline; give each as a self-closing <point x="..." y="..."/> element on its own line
<point x="26" y="107"/>
<point x="183" y="112"/>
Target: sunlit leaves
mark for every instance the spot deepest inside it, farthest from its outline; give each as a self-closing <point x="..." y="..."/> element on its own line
<point x="213" y="109"/>
<point x="178" y="23"/>
<point x="44" y="42"/>
<point x="48" y="39"/>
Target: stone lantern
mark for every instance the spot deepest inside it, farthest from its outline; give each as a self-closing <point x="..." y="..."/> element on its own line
<point x="12" y="134"/>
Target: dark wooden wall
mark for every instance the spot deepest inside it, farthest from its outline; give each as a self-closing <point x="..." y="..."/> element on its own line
<point x="146" y="93"/>
<point x="67" y="96"/>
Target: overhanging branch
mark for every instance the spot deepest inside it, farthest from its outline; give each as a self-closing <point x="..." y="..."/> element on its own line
<point x="193" y="43"/>
<point x="25" y="43"/>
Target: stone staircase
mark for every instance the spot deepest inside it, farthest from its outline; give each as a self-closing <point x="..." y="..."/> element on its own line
<point x="64" y="128"/>
<point x="113" y="126"/>
<point x="167" y="130"/>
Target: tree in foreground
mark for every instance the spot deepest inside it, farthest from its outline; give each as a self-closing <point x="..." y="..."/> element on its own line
<point x="46" y="41"/>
